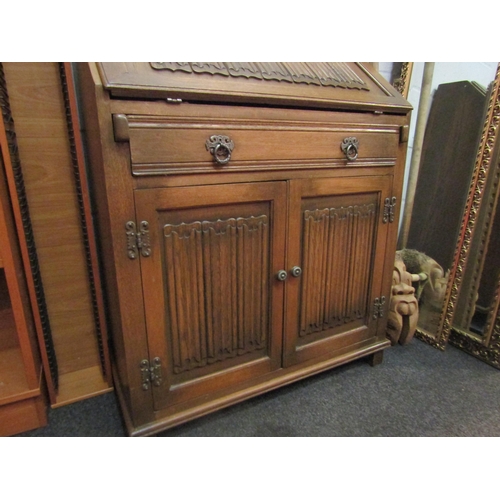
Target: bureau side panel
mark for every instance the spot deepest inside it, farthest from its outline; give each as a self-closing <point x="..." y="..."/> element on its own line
<point x="112" y="193"/>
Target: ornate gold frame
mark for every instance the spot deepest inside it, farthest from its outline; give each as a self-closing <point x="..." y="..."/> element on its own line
<point x="488" y="348"/>
<point x="402" y="82"/>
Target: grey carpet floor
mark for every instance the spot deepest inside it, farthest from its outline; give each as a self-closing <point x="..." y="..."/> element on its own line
<point x="416" y="391"/>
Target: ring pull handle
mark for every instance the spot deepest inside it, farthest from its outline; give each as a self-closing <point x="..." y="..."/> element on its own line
<point x="220" y="147"/>
<point x="350" y="146"/>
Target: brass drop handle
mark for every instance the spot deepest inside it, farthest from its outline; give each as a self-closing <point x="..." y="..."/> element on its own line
<point x="282" y="275"/>
<point x="296" y="271"/>
<point x="350" y="146"/>
<point x="220" y="147"/>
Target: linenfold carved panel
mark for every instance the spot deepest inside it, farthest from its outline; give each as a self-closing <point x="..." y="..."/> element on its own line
<point x="173" y="66"/>
<point x="274" y="71"/>
<point x="338" y="244"/>
<point x="301" y="73"/>
<point x="217" y="289"/>
<point x="247" y="69"/>
<point x="214" y="68"/>
<point x="328" y="74"/>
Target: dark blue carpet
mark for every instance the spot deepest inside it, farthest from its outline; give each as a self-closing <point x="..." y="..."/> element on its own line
<point x="416" y="391"/>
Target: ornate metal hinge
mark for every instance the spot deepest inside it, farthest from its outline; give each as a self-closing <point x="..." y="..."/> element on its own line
<point x="389" y="205"/>
<point x="151" y="373"/>
<point x="138" y="240"/>
<point x="378" y="307"/>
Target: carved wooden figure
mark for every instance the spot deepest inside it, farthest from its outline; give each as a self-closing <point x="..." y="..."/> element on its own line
<point x="431" y="289"/>
<point x="403" y="308"/>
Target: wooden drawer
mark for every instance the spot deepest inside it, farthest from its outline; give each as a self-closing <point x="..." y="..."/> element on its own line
<point x="171" y="146"/>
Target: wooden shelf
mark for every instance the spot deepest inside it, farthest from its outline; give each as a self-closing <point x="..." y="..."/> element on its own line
<point x="22" y="404"/>
<point x="82" y="384"/>
<point x="21" y="408"/>
<point x="13" y="383"/>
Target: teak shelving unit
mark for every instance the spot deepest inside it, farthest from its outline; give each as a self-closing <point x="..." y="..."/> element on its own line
<point x="22" y="401"/>
<point x="38" y="100"/>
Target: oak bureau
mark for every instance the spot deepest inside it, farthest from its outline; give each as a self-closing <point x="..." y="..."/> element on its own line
<point x="247" y="217"/>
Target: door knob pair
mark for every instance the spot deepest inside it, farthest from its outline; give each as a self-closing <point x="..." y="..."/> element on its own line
<point x="296" y="271"/>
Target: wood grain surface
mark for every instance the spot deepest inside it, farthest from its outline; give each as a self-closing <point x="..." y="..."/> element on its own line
<point x="41" y="127"/>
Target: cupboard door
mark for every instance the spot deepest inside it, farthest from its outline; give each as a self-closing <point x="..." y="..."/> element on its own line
<point x="214" y="309"/>
<point x="337" y="238"/>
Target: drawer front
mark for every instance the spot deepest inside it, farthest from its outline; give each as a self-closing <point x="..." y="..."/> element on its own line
<point x="170" y="147"/>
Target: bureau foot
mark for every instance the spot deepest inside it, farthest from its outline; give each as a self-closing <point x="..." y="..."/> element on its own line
<point x="376" y="358"/>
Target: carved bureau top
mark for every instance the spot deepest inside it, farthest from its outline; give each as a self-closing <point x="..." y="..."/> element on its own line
<point x="333" y="74"/>
<point x="325" y="85"/>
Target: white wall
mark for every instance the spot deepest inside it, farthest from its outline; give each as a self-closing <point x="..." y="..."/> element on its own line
<point x="385" y="69"/>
